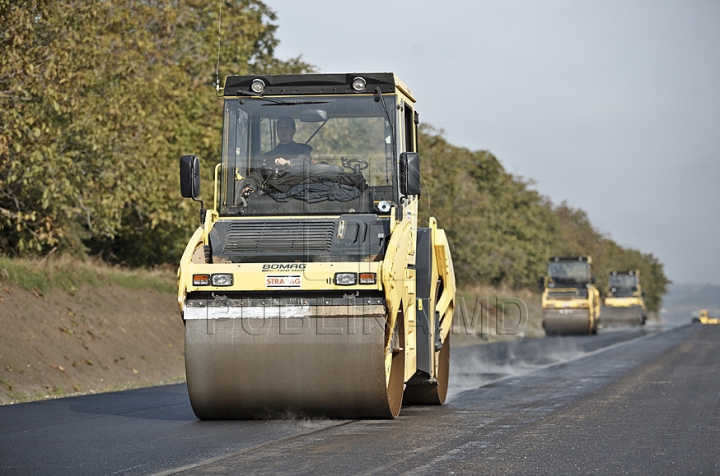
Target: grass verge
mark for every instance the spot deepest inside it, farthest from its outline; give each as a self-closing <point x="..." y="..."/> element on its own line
<point x="69" y="273"/>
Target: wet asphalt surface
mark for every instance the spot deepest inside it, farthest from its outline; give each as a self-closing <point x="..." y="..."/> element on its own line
<point x="626" y="401"/>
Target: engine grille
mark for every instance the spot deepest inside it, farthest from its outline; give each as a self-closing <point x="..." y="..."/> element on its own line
<point x="282" y="236"/>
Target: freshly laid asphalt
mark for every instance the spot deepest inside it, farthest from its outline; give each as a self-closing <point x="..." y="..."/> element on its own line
<point x="627" y="401"/>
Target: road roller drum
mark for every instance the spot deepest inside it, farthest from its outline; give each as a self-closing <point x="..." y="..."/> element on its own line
<point x="247" y="368"/>
<point x="566" y="322"/>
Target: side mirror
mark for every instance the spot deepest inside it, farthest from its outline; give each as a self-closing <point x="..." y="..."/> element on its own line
<point x="189" y="176"/>
<point x="592" y="279"/>
<point x="541" y="283"/>
<point x="410" y="173"/>
<point x="643" y="293"/>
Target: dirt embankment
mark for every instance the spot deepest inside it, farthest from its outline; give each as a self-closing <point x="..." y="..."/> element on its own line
<point x="92" y="340"/>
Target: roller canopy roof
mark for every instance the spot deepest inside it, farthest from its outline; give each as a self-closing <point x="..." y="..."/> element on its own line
<point x="298" y="84"/>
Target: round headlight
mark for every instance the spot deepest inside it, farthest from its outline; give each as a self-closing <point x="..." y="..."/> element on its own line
<point x="359" y="84"/>
<point x="257" y="86"/>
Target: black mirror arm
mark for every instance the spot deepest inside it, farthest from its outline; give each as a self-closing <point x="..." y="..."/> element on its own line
<point x="202" y="209"/>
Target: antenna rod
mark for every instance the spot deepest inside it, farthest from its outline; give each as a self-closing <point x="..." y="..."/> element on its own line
<point x="217" y="68"/>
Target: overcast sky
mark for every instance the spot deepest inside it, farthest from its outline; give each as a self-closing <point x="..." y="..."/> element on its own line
<point x="612" y="105"/>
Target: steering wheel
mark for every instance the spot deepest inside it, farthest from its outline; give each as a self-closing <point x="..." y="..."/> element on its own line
<point x="274" y="170"/>
<point x="355" y="164"/>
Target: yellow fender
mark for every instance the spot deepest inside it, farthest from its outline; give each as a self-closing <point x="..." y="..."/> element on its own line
<point x="398" y="287"/>
<point x="185" y="262"/>
<point x="445" y="304"/>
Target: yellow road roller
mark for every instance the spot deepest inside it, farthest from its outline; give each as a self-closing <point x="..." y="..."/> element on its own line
<point x="309" y="287"/>
<point x="570" y="300"/>
<point x="704" y="318"/>
<point x="624" y="303"/>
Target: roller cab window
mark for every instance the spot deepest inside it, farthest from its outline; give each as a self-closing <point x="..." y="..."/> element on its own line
<point x="622" y="285"/>
<point x="314" y="155"/>
<point x="568" y="273"/>
<point x="622" y="281"/>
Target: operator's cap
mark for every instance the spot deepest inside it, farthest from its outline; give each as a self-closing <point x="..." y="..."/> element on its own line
<point x="287" y="120"/>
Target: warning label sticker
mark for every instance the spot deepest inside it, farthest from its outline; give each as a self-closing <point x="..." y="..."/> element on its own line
<point x="283" y="281"/>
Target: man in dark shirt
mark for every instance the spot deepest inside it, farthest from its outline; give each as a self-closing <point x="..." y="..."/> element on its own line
<point x="286" y="153"/>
